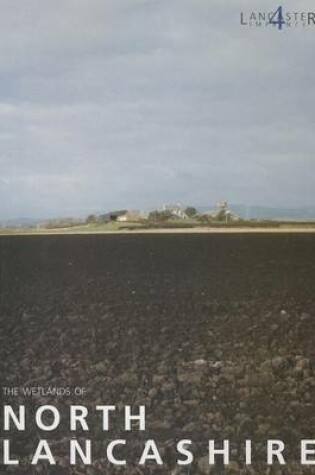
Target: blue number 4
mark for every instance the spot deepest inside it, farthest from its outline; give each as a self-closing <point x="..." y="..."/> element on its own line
<point x="277" y="18"/>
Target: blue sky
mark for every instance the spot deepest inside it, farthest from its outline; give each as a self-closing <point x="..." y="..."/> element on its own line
<point x="110" y="104"/>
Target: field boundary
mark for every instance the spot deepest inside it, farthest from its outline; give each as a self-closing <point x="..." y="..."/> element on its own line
<point x="197" y="230"/>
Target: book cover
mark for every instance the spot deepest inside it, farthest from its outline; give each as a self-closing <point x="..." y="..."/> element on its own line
<point x="157" y="219"/>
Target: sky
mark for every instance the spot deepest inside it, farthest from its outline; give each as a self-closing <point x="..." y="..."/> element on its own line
<point x="110" y="104"/>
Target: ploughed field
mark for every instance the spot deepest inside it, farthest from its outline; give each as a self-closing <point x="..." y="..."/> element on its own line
<point x="214" y="334"/>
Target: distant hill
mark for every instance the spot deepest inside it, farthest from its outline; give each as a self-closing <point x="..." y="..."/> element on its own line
<point x="297" y="214"/>
<point x="19" y="223"/>
<point x="264" y="212"/>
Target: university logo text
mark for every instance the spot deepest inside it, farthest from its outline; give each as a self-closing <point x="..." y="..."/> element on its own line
<point x="280" y="19"/>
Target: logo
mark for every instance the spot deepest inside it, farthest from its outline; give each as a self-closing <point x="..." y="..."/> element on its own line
<point x="279" y="19"/>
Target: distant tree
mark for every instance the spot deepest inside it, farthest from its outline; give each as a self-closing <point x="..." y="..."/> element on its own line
<point x="91" y="219"/>
<point x="222" y="211"/>
<point x="153" y="216"/>
<point x="160" y="215"/>
<point x="204" y="218"/>
<point x="103" y="218"/>
<point x="220" y="215"/>
<point x="166" y="215"/>
<point x="191" y="211"/>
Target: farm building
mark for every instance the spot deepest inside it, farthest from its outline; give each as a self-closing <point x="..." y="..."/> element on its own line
<point x="123" y="216"/>
<point x="176" y="210"/>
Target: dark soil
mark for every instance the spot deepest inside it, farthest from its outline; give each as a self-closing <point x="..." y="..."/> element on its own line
<point x="213" y="333"/>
